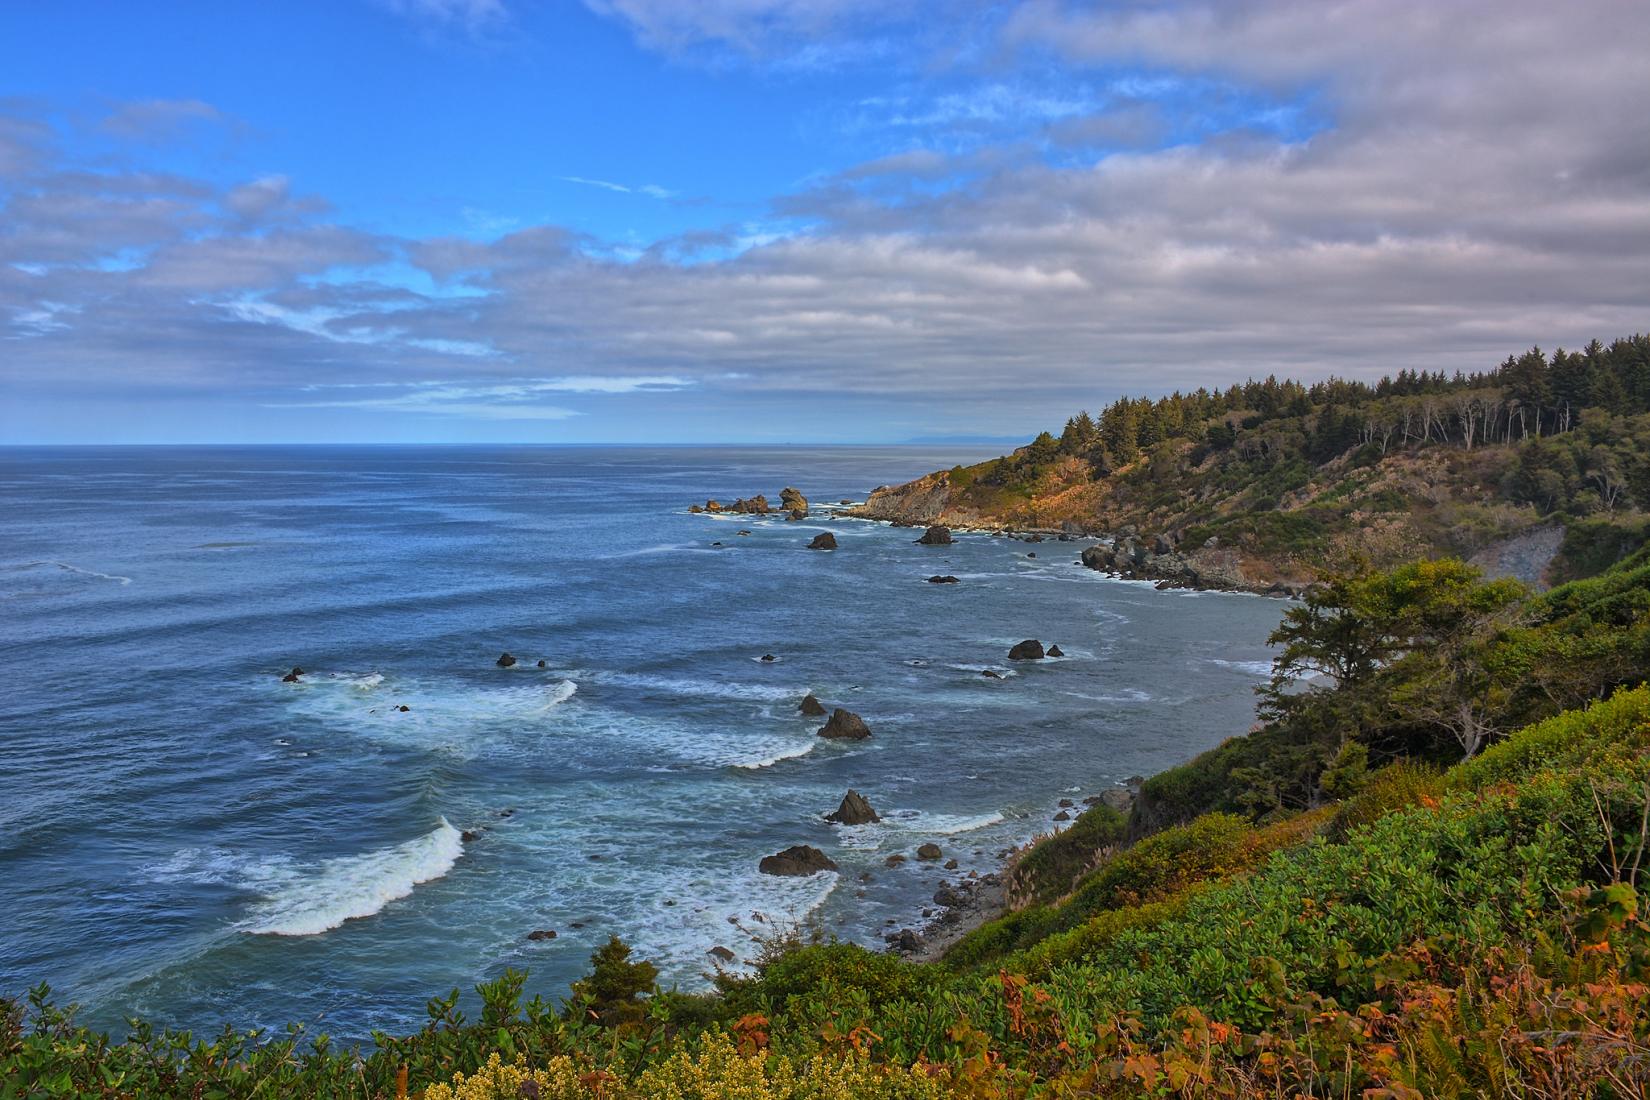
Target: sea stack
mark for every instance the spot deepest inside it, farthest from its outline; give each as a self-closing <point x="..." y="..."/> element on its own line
<point x="1029" y="650"/>
<point x="811" y="706"/>
<point x="846" y="725"/>
<point x="855" y="810"/>
<point x="937" y="535"/>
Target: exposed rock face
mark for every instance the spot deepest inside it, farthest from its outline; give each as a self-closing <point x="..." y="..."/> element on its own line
<point x="936" y="535"/>
<point x="945" y="579"/>
<point x="1207" y="566"/>
<point x="506" y="661"/>
<point x="947" y="897"/>
<point x="793" y="502"/>
<point x="292" y="677"/>
<point x="929" y="851"/>
<point x="845" y="724"/>
<point x="713" y="506"/>
<point x="1524" y="557"/>
<point x="1118" y="798"/>
<point x="797" y="860"/>
<point x="1029" y="650"/>
<point x="823" y="541"/>
<point x="811" y="706"/>
<point x="855" y="810"/>
<point x="919" y="501"/>
<point x="756" y="505"/>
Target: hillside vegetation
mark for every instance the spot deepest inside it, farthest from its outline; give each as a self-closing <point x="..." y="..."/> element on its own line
<point x="1420" y="876"/>
<point x="1294" y="478"/>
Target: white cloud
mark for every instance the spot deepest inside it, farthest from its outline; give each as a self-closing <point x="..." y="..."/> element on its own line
<point x="652" y="190"/>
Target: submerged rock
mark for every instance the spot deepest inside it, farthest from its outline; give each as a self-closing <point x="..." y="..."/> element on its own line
<point x="929" y="851"/>
<point x="945" y="578"/>
<point x="505" y="660"/>
<point x="542" y="934"/>
<point x="937" y="535"/>
<point x="811" y="706"/>
<point x="1029" y="650"/>
<point x="855" y="810"/>
<point x="768" y="658"/>
<point x="845" y="724"/>
<point x="823" y="541"/>
<point x="991" y="674"/>
<point x="894" y="860"/>
<point x="797" y="860"/>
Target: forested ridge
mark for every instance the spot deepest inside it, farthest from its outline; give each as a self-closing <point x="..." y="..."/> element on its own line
<point x="1298" y="477"/>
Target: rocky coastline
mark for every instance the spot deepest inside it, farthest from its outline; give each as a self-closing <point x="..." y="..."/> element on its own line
<point x="968" y="901"/>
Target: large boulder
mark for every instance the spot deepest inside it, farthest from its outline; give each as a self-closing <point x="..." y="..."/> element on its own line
<point x="506" y="661"/>
<point x="756" y="505"/>
<point x="797" y="860"/>
<point x="713" y="506"/>
<point x="1055" y="651"/>
<point x="823" y="541"/>
<point x="937" y="535"/>
<point x="811" y="706"/>
<point x="845" y="724"/>
<point x="793" y="502"/>
<point x="855" y="810"/>
<point x="1029" y="650"/>
<point x="929" y="851"/>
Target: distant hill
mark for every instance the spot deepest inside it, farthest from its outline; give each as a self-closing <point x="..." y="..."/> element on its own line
<point x="1538" y="468"/>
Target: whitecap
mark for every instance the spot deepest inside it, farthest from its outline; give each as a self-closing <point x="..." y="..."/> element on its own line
<point x="355" y="886"/>
<point x="790" y="753"/>
<point x="68" y="568"/>
<point x="1263" y="669"/>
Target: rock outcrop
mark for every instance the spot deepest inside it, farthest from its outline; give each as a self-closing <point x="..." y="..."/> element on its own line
<point x="796" y="861"/>
<point x="936" y="535"/>
<point x="1029" y="650"/>
<point x="929" y="851"/>
<point x="823" y="541"/>
<point x="292" y="677"/>
<point x="506" y="661"/>
<point x="845" y="725"/>
<point x="855" y="810"/>
<point x="1056" y="651"/>
<point x="811" y="706"/>
<point x="793" y="503"/>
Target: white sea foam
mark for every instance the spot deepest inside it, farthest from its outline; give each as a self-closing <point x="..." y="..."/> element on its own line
<point x="789" y="753"/>
<point x="355" y="886"/>
<point x="1263" y="669"/>
<point x="68" y="568"/>
<point x="706" y="689"/>
<point x="1123" y="695"/>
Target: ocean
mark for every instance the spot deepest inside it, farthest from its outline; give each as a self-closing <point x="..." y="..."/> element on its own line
<point x="187" y="838"/>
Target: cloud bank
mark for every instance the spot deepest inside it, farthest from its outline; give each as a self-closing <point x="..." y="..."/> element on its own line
<point x="1474" y="177"/>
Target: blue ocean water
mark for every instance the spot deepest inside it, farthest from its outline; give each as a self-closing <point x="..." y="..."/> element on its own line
<point x="185" y="837"/>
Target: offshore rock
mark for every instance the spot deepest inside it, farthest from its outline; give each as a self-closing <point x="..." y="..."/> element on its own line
<point x="792" y="501"/>
<point x="797" y="860"/>
<point x="929" y="851"/>
<point x="937" y="535"/>
<point x="855" y="810"/>
<point x="292" y="677"/>
<point x="823" y="541"/>
<point x="1029" y="650"/>
<point x="945" y="579"/>
<point x="846" y="725"/>
<point x="811" y="706"/>
<point x="505" y="660"/>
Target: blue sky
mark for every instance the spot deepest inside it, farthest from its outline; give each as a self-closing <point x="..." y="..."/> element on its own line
<point x="827" y="220"/>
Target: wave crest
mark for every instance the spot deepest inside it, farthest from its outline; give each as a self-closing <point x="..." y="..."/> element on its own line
<point x="356" y="886"/>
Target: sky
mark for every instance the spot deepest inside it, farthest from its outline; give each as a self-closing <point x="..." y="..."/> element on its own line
<point x="770" y="221"/>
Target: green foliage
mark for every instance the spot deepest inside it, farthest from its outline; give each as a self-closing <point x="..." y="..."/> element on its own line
<point x="1049" y="869"/>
